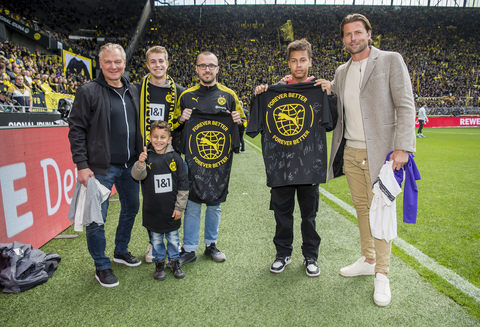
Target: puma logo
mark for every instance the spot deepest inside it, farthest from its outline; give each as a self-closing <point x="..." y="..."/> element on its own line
<point x="196" y="100"/>
<point x="204" y="140"/>
<point x="149" y="165"/>
<point x="284" y="116"/>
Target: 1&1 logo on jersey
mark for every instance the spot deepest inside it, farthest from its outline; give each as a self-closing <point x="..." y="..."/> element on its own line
<point x="163" y="183"/>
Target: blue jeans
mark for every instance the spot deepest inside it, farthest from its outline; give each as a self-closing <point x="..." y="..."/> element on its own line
<point x="158" y="247"/>
<point x="191" y="224"/>
<point x="127" y="189"/>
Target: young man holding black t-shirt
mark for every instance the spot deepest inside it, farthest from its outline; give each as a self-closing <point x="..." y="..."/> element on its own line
<point x="297" y="143"/>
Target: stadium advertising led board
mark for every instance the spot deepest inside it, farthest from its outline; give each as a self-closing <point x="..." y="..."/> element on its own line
<point x="37" y="178"/>
<point x="451" y="122"/>
<point x="25" y="30"/>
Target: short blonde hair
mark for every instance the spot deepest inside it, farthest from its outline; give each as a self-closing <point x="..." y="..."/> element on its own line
<point x="112" y="47"/>
<point x="157" y="49"/>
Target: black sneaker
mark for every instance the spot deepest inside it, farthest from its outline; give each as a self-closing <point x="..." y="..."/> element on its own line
<point x="216" y="254"/>
<point x="312" y="267"/>
<point x="106" y="278"/>
<point x="159" y="270"/>
<point x="186" y="257"/>
<point x="279" y="264"/>
<point x="175" y="266"/>
<point x="127" y="259"/>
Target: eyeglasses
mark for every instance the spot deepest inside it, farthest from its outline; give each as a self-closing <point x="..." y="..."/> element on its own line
<point x="204" y="66"/>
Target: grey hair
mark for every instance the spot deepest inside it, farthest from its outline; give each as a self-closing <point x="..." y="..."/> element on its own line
<point x="112" y="47"/>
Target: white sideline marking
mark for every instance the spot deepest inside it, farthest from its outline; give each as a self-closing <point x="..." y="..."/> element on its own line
<point x="453" y="278"/>
<point x="253" y="145"/>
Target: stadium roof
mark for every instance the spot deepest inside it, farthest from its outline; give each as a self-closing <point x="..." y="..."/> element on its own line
<point x="409" y="3"/>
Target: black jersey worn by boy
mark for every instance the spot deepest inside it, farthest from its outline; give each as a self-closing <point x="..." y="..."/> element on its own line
<point x="166" y="176"/>
<point x="293" y="120"/>
<point x="208" y="142"/>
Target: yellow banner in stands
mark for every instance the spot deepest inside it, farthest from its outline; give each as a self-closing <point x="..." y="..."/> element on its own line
<point x="52" y="98"/>
<point x="76" y="64"/>
<point x="46" y="88"/>
<point x="286" y="31"/>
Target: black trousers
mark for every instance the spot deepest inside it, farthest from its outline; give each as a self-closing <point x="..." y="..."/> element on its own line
<point x="420" y="129"/>
<point x="282" y="202"/>
<point x="242" y="141"/>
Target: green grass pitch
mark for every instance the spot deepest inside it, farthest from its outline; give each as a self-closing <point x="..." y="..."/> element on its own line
<point x="242" y="292"/>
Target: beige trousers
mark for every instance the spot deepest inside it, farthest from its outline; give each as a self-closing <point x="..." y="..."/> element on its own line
<point x="358" y="178"/>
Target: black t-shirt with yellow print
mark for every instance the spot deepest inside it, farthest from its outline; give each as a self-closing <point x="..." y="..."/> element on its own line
<point x="208" y="142"/>
<point x="293" y="120"/>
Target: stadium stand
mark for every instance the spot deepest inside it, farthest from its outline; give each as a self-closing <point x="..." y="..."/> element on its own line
<point x="438" y="44"/>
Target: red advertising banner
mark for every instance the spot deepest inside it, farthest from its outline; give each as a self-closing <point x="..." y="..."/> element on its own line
<point x="37" y="178"/>
<point x="451" y="122"/>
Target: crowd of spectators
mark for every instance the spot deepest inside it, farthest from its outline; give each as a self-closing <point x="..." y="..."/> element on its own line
<point x="39" y="72"/>
<point x="438" y="44"/>
<point x="92" y="19"/>
<point x="43" y="72"/>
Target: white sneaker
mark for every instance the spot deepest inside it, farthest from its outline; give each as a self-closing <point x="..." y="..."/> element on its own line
<point x="382" y="295"/>
<point x="149" y="256"/>
<point x="359" y="268"/>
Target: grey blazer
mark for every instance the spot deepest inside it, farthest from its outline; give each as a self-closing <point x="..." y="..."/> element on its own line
<point x="388" y="111"/>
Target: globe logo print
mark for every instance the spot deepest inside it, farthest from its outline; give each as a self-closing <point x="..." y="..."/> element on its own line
<point x="210" y="144"/>
<point x="289" y="118"/>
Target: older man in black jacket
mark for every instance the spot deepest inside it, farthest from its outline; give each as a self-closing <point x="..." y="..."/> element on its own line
<point x="105" y="141"/>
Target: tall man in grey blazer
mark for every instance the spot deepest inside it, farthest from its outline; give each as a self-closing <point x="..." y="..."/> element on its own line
<point x="376" y="115"/>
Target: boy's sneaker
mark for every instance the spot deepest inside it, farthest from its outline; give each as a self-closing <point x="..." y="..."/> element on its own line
<point x="175" y="266"/>
<point x="279" y="264"/>
<point x="421" y="135"/>
<point x="159" y="270"/>
<point x="216" y="254"/>
<point x="106" y="278"/>
<point x="127" y="259"/>
<point x="418" y="135"/>
<point x="186" y="257"/>
<point x="312" y="267"/>
<point x="382" y="295"/>
<point x="149" y="255"/>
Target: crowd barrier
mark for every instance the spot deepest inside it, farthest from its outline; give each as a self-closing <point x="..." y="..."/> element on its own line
<point x="16" y="119"/>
